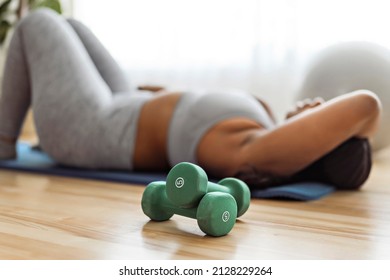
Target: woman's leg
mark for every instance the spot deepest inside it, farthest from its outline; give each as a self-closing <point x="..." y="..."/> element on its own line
<point x="105" y="63"/>
<point x="15" y="97"/>
<point x="243" y="147"/>
<point x="47" y="59"/>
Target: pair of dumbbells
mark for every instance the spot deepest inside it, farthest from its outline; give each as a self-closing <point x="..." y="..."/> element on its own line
<point x="187" y="192"/>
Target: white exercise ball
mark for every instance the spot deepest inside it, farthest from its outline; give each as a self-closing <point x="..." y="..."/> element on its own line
<point x="347" y="67"/>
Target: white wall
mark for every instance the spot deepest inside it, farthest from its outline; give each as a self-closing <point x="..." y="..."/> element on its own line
<point x="259" y="46"/>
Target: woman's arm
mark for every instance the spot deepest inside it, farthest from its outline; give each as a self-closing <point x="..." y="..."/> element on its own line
<point x="307" y="136"/>
<point x="293" y="145"/>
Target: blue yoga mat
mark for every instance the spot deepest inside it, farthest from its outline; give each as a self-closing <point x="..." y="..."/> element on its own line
<point x="32" y="160"/>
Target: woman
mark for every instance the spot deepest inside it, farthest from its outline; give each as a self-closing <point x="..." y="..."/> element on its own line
<point x="86" y="115"/>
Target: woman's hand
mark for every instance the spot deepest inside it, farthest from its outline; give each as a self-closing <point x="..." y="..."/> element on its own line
<point x="304" y="105"/>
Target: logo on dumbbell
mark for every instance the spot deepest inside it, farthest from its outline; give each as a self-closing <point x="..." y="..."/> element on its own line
<point x="179" y="183"/>
<point x="225" y="216"/>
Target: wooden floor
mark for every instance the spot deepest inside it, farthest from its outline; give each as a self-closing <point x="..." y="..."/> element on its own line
<point x="47" y="217"/>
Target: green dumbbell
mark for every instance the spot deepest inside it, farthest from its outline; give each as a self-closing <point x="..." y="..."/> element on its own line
<point x="187" y="183"/>
<point x="216" y="213"/>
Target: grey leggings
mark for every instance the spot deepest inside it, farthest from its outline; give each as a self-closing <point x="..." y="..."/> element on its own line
<point x="84" y="109"/>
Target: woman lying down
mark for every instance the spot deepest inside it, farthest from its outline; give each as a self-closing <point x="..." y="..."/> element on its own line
<point x="86" y="115"/>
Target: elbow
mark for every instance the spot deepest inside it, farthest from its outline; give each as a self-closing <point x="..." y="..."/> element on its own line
<point x="369" y="109"/>
<point x="369" y="102"/>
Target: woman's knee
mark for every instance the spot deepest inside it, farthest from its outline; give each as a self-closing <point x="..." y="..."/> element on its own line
<point x="39" y="16"/>
<point x="42" y="13"/>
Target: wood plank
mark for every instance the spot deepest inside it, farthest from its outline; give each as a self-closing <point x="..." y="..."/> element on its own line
<point x="48" y="217"/>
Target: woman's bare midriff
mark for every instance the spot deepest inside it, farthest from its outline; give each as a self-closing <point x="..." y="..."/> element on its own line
<point x="152" y="134"/>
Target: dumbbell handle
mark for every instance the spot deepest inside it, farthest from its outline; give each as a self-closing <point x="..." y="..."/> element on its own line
<point x="213" y="187"/>
<point x="186" y="212"/>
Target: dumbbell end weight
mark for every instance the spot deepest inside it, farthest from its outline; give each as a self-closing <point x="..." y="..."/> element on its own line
<point x="151" y="202"/>
<point x="186" y="185"/>
<point x="217" y="213"/>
